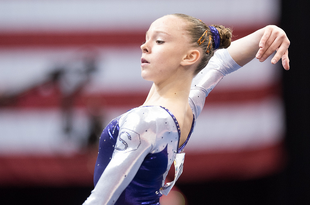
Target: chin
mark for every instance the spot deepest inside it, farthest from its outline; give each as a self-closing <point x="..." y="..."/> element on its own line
<point x="145" y="76"/>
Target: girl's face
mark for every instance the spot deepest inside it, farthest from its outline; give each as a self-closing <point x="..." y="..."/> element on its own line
<point x="166" y="45"/>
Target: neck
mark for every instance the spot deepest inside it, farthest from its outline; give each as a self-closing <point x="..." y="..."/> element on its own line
<point x="166" y="94"/>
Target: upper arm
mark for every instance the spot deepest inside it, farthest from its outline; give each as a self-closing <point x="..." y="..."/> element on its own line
<point x="130" y="150"/>
<point x="220" y="65"/>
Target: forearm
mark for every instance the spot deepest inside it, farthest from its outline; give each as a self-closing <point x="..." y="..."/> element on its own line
<point x="244" y="49"/>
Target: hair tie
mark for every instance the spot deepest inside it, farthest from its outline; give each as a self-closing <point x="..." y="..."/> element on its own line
<point x="216" y="37"/>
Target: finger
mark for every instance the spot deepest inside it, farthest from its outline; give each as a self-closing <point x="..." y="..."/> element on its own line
<point x="278" y="45"/>
<point x="262" y="42"/>
<point x="286" y="61"/>
<point x="281" y="51"/>
<point x="261" y="52"/>
<point x="270" y="45"/>
<point x="279" y="54"/>
<point x="265" y="37"/>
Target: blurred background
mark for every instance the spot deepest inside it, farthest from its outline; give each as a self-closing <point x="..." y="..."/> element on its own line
<point x="68" y="67"/>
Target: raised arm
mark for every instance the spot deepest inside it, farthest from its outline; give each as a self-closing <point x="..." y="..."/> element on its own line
<point x="261" y="44"/>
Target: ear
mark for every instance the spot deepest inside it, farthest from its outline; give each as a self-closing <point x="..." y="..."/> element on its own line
<point x="191" y="57"/>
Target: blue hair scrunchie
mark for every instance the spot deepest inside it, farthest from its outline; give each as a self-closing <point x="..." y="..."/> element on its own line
<point x="216" y="37"/>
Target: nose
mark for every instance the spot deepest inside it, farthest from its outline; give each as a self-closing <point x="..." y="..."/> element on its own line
<point x="144" y="48"/>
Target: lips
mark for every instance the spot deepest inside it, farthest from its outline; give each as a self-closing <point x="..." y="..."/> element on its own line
<point x="144" y="61"/>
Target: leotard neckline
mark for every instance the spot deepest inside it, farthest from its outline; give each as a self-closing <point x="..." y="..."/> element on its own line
<point x="180" y="149"/>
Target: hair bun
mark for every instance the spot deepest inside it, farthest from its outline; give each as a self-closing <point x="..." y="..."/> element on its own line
<point x="225" y="35"/>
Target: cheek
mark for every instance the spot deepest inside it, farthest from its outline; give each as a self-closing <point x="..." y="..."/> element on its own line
<point x="167" y="58"/>
<point x="172" y="60"/>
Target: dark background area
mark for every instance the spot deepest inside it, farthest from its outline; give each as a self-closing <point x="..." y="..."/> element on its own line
<point x="289" y="187"/>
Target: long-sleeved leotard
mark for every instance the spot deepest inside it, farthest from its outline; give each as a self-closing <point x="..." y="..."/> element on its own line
<point x="137" y="149"/>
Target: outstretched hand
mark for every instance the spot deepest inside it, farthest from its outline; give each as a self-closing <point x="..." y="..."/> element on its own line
<point x="274" y="39"/>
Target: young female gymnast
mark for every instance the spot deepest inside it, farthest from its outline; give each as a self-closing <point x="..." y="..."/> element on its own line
<point x="137" y="148"/>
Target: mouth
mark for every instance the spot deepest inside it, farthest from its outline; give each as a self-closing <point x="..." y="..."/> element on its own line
<point x="144" y="61"/>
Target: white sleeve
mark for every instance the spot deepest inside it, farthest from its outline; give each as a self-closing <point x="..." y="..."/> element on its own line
<point x="219" y="65"/>
<point x="130" y="150"/>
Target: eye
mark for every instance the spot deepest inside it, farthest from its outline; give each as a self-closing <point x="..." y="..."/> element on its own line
<point x="160" y="41"/>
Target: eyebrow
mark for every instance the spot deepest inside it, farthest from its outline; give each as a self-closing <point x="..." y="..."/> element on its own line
<point x="158" y="31"/>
